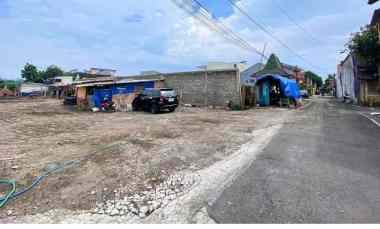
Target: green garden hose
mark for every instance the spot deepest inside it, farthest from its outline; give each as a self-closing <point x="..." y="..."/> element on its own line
<point x="12" y="190"/>
<point x="12" y="194"/>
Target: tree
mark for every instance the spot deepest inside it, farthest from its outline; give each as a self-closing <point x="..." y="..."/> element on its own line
<point x="51" y="72"/>
<point x="11" y="85"/>
<point x="31" y="74"/>
<point x="365" y="44"/>
<point x="315" y="78"/>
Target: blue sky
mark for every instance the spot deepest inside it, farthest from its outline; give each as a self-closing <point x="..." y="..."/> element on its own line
<point x="134" y="36"/>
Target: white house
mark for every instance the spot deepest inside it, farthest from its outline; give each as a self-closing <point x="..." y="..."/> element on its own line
<point x="345" y="79"/>
<point x="33" y="89"/>
<point x="61" y="81"/>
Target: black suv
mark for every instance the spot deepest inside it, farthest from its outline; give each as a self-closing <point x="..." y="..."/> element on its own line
<point x="156" y="100"/>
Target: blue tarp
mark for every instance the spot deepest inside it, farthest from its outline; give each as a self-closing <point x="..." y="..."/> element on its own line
<point x="289" y="87"/>
<point x="102" y="93"/>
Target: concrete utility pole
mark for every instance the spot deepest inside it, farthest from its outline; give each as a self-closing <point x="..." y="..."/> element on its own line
<point x="264" y="49"/>
<point x="206" y="87"/>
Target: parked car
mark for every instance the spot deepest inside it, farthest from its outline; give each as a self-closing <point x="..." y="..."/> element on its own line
<point x="156" y="100"/>
<point x="305" y="94"/>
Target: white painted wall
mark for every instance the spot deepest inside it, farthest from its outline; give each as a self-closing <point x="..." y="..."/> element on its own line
<point x="225" y="66"/>
<point x="64" y="80"/>
<point x="346" y="79"/>
<point x="33" y="87"/>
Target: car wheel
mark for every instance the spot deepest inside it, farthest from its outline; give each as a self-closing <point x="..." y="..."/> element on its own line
<point x="154" y="109"/>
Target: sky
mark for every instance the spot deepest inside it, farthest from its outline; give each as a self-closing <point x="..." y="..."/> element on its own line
<point x="143" y="35"/>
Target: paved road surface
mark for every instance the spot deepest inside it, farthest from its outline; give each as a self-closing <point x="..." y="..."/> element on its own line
<point x="323" y="167"/>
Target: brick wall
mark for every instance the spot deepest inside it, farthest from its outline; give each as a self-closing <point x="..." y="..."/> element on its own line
<point x="212" y="89"/>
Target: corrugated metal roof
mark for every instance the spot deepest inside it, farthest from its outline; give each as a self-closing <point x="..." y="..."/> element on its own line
<point x="119" y="81"/>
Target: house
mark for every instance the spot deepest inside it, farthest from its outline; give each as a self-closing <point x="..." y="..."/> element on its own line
<point x="248" y="84"/>
<point x="359" y="81"/>
<point x="273" y="67"/>
<point x="375" y="22"/>
<point x="346" y="80"/>
<point x="216" y="88"/>
<point x="5" y="92"/>
<point x="121" y="90"/>
<point x="294" y="72"/>
<point x="101" y="71"/>
<point x="275" y="84"/>
<point x="33" y="89"/>
<point x="246" y="76"/>
<point x="60" y="86"/>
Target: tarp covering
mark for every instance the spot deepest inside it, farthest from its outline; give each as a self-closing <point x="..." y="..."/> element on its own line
<point x="107" y="92"/>
<point x="289" y="87"/>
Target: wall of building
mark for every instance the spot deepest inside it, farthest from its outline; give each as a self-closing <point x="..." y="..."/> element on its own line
<point x="35" y="89"/>
<point x="211" y="88"/>
<point x="346" y="80"/>
<point x="370" y="93"/>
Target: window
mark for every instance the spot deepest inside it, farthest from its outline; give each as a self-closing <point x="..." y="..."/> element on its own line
<point x="168" y="93"/>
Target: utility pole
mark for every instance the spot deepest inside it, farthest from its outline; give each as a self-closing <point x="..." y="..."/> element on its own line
<point x="263" y="52"/>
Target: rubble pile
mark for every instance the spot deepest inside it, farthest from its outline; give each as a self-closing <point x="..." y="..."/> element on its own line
<point x="144" y="203"/>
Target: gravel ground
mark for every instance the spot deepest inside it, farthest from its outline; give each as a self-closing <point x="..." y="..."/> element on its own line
<point x="120" y="154"/>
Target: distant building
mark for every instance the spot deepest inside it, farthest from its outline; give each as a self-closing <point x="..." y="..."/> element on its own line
<point x="101" y="71"/>
<point x="295" y="72"/>
<point x="62" y="81"/>
<point x="358" y="80"/>
<point x="246" y="76"/>
<point x="5" y="92"/>
<point x="33" y="89"/>
<point x="216" y="66"/>
<point x="149" y="73"/>
<point x="61" y="86"/>
<point x="346" y="80"/>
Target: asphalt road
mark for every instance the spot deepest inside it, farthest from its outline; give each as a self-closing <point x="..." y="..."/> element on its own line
<point x="322" y="167"/>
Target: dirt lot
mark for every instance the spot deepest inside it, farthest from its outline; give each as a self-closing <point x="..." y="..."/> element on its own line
<point x="115" y="149"/>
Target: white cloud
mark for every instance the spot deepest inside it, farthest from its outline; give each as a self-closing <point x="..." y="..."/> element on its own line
<point x="146" y="35"/>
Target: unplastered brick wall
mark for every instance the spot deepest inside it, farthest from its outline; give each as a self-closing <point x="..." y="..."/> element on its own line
<point x="214" y="88"/>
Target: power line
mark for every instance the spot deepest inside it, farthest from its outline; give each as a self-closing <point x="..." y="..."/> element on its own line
<point x="262" y="27"/>
<point x="205" y="17"/>
<point x="228" y="30"/>
<point x="283" y="11"/>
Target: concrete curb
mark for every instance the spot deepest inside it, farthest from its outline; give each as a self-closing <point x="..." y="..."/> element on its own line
<point x="371" y="119"/>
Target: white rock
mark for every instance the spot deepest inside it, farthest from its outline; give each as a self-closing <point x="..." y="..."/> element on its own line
<point x="134" y="210"/>
<point x="100" y="211"/>
<point x="144" y="210"/>
<point x="114" y="212"/>
<point x="156" y="204"/>
<point x="151" y="208"/>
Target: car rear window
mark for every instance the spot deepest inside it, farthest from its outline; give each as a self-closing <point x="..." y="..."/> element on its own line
<point x="168" y="93"/>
